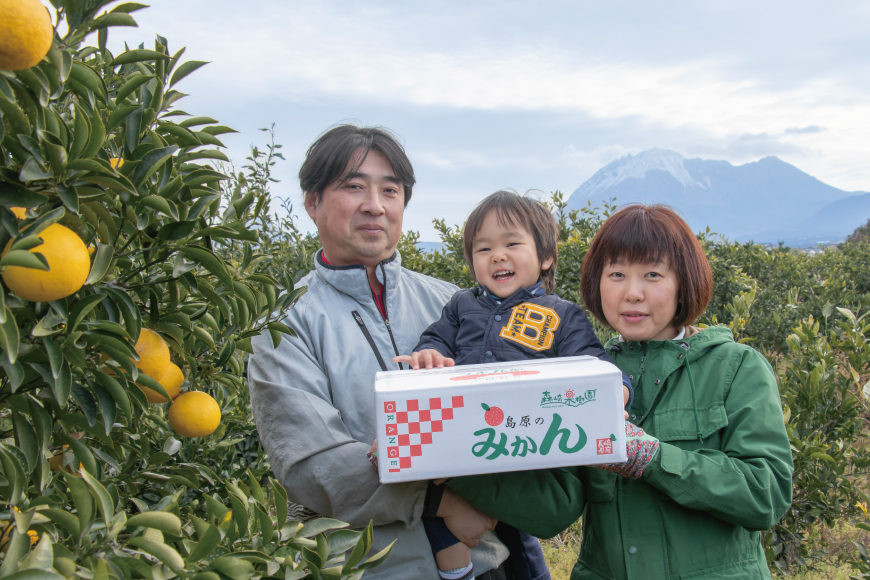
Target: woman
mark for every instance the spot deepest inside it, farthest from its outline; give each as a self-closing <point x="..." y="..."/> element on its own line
<point x="714" y="467"/>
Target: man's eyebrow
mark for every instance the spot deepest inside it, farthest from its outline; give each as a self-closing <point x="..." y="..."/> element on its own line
<point x="355" y="174"/>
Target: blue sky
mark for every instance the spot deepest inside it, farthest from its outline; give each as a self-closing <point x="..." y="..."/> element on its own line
<point x="531" y="95"/>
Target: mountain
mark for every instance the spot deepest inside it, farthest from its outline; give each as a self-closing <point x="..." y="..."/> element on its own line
<point x="765" y="201"/>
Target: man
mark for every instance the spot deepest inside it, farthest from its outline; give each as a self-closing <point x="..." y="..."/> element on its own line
<point x="313" y="397"/>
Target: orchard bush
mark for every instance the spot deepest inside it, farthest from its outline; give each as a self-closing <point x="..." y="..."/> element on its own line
<point x="94" y="482"/>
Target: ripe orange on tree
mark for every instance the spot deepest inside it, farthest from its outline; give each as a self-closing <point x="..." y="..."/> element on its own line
<point x="69" y="264"/>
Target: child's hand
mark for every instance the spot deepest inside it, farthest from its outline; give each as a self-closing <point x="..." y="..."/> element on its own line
<point x="428" y="358"/>
<point x="373" y="454"/>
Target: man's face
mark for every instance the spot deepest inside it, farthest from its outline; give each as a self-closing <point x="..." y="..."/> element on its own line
<point x="359" y="218"/>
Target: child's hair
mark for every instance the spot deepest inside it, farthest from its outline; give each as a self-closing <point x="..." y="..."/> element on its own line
<point x="517" y="210"/>
<point x="649" y="234"/>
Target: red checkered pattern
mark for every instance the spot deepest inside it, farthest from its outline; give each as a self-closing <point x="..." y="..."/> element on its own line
<point x="411" y="425"/>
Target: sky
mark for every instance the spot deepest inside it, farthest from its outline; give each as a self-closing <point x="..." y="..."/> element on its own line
<point x="538" y="95"/>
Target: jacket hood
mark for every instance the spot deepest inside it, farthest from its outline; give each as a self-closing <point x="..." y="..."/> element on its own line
<point x="353" y="280"/>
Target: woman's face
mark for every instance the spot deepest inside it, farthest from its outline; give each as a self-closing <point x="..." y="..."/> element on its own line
<point x="640" y="300"/>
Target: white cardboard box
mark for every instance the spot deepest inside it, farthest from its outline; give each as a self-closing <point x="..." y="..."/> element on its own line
<point x="488" y="418"/>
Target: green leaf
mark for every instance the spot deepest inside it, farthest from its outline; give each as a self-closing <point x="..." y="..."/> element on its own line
<point x="114" y="19"/>
<point x="97" y="136"/>
<point x="162" y="552"/>
<point x="41" y="558"/>
<point x="88" y="78"/>
<point x="209" y="540"/>
<point x="14" y="194"/>
<point x="25" y="439"/>
<point x="81" y="132"/>
<point x="267" y="528"/>
<point x="160" y="204"/>
<point x="62" y="385"/>
<point x="15" y="117"/>
<point x="81" y="309"/>
<point x="210" y="262"/>
<point x="65" y="520"/>
<point x="341" y="541"/>
<point x="184" y="70"/>
<point x="107" y="405"/>
<point x="131" y="85"/>
<point x="116" y="391"/>
<point x="82" y="454"/>
<point x="164" y="521"/>
<point x="240" y="515"/>
<point x="139" y="55"/>
<point x="152" y="161"/>
<point x="235" y="568"/>
<point x="9" y="337"/>
<point x="280" y="495"/>
<point x="34" y="574"/>
<point x="83" y="500"/>
<point x="25" y="259"/>
<point x="319" y="526"/>
<point x="360" y="550"/>
<point x="255" y="488"/>
<point x="146" y="381"/>
<point x="378" y="558"/>
<point x="102" y="261"/>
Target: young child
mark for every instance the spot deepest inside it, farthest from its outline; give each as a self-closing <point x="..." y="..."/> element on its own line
<point x="511" y="247"/>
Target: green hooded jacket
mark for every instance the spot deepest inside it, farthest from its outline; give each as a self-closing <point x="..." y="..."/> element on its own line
<point x="721" y="475"/>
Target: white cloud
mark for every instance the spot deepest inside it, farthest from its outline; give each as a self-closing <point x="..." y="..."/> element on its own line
<point x="287" y="54"/>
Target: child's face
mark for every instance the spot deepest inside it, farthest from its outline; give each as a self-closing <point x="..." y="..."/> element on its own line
<point x="505" y="257"/>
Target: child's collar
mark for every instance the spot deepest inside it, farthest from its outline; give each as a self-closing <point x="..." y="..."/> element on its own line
<point x="536" y="290"/>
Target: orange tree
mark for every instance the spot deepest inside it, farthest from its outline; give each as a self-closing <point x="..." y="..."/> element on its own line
<point x="126" y="252"/>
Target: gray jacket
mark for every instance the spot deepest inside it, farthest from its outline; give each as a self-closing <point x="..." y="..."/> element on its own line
<point x="313" y="402"/>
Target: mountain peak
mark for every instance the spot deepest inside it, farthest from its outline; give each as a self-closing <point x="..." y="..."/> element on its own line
<point x="764" y="200"/>
<point x="636" y="166"/>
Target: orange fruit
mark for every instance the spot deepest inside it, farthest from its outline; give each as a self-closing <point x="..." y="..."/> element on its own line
<point x="194" y="414"/>
<point x="171" y="380"/>
<point x="25" y="33"/>
<point x="68" y="262"/>
<point x="153" y="354"/>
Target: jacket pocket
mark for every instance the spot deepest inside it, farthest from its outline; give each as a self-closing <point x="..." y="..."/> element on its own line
<point x="678" y="423"/>
<point x="745" y="570"/>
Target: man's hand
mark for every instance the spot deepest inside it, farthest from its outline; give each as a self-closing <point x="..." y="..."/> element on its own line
<point x="429" y="358"/>
<point x="463" y="521"/>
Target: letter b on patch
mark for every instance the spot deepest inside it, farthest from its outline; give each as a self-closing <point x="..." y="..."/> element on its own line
<point x="531" y="325"/>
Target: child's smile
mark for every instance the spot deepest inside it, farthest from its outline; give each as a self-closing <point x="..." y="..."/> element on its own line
<point x="505" y="257"/>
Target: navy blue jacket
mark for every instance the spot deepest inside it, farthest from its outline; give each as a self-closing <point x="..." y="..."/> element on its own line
<point x="476" y="327"/>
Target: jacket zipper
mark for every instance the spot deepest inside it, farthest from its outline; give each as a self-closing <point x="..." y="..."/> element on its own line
<point x="385" y="315"/>
<point x="369" y="339"/>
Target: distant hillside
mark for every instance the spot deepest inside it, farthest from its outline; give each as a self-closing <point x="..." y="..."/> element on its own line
<point x="765" y="201"/>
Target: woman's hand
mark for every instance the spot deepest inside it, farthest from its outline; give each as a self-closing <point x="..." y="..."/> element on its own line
<point x="640" y="447"/>
<point x="463" y="521"/>
<point x="429" y="358"/>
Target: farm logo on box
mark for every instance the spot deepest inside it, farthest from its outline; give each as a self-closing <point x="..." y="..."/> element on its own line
<point x="571" y="399"/>
<point x="531" y="325"/>
<point x="411" y="424"/>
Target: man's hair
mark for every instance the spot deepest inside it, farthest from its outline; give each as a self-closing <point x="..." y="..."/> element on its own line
<point x="639" y="234"/>
<point x="520" y="211"/>
<point x="327" y="158"/>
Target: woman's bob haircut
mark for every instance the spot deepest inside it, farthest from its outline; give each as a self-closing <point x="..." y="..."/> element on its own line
<point x="642" y="234"/>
